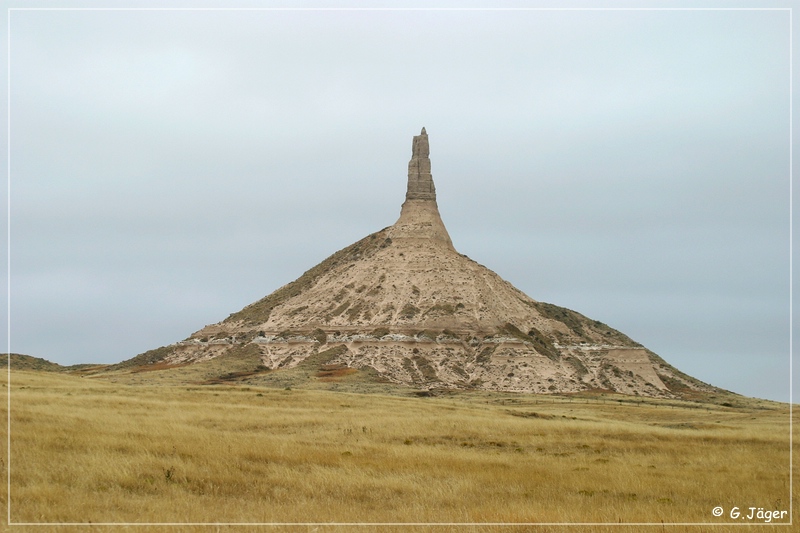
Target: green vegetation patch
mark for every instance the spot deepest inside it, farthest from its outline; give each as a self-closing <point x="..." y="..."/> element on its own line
<point x="27" y="362"/>
<point x="408" y="366"/>
<point x="339" y="310"/>
<point x="425" y="368"/>
<point x="579" y="324"/>
<point x="380" y="332"/>
<point x="296" y="310"/>
<point x="579" y="367"/>
<point x="441" y="309"/>
<point x="409" y="311"/>
<point x="486" y="354"/>
<point x="147" y="358"/>
<point x="314" y="362"/>
<point x="320" y="336"/>
<point x="449" y="333"/>
<point x="568" y="317"/>
<point x="354" y="311"/>
<point x="241" y="361"/>
<point x="679" y="387"/>
<point x="539" y="340"/>
<point x="427" y="334"/>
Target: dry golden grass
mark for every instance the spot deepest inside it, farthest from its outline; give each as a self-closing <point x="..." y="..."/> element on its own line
<point x="84" y="450"/>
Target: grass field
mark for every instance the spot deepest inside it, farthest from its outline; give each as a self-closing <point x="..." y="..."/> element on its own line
<point x="88" y="450"/>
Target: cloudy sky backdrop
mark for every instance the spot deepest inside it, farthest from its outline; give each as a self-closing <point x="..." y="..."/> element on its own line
<point x="170" y="167"/>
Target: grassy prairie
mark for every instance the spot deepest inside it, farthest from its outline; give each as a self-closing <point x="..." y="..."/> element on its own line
<point x="86" y="450"/>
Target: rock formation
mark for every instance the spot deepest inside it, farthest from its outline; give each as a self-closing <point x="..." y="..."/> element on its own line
<point x="403" y="304"/>
<point x="420" y="181"/>
<point x="419" y="215"/>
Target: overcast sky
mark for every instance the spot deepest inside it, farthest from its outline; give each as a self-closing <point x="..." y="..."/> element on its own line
<point x="170" y="167"/>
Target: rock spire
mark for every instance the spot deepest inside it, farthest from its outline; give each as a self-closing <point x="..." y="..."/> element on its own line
<point x="419" y="216"/>
<point x="420" y="181"/>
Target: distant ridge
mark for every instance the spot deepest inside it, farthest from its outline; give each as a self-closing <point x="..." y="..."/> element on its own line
<point x="27" y="362"/>
<point x="402" y="306"/>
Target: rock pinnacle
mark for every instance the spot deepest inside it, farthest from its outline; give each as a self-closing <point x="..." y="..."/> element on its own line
<point x="420" y="182"/>
<point x="419" y="216"/>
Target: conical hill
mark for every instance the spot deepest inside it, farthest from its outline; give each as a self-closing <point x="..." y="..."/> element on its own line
<point x="405" y="305"/>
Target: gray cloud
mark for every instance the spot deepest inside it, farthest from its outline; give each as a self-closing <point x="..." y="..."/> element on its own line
<point x="169" y="168"/>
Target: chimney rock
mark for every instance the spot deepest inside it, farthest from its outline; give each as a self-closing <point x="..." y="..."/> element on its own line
<point x="420" y="181"/>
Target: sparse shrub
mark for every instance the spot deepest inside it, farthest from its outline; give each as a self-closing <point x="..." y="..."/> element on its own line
<point x="542" y="344"/>
<point x="409" y="311"/>
<point x="320" y="336"/>
<point x="441" y="309"/>
<point x="353" y="312"/>
<point x="380" y="332"/>
<point x="427" y="334"/>
<point x="341" y="309"/>
<point x="340" y="295"/>
<point x="486" y="354"/>
<point x="297" y="310"/>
